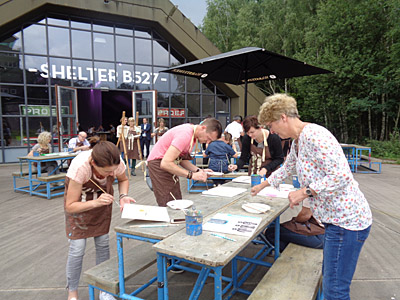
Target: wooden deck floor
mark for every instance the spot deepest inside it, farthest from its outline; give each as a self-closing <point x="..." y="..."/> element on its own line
<point x="33" y="246"/>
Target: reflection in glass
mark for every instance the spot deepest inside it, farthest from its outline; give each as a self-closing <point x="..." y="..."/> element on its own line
<point x="178" y="101"/>
<point x="104" y="75"/>
<point x="222" y="103"/>
<point x="102" y="28"/>
<point x="11" y="99"/>
<point x="35" y="39"/>
<point x="177" y="121"/>
<point x="177" y="83"/>
<point x="38" y="95"/>
<point x="59" y="22"/>
<point x="37" y="71"/>
<point x="12" y="43"/>
<point x="59" y="41"/>
<point x="142" y="51"/>
<point x="143" y="32"/>
<point x="14" y="131"/>
<point x="208" y="104"/>
<point x="103" y="46"/>
<point x="124" y="46"/>
<point x="193" y="85"/>
<point x="176" y="58"/>
<point x="193" y="105"/>
<point x="161" y="80"/>
<point x="11" y="67"/>
<point x="81" y="24"/>
<point x="81" y="44"/>
<point x="144" y="78"/>
<point x="160" y="53"/>
<point x="123" y="31"/>
<point x="162" y="100"/>
<point x="125" y="76"/>
<point x="60" y="71"/>
<point x="82" y="73"/>
<point x="207" y="87"/>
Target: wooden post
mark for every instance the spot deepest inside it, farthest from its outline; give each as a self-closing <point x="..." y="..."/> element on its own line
<point x="122" y="135"/>
<point x="138" y="143"/>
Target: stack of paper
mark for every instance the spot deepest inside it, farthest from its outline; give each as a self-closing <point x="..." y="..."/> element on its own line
<point x="242" y="179"/>
<point x="232" y="224"/>
<point x="145" y="212"/>
<point x="224" y="191"/>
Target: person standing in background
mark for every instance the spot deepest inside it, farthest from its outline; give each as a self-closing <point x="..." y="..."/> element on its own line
<point x="125" y="135"/>
<point x="145" y="137"/>
<point x="236" y="130"/>
<point x="132" y="146"/>
<point x="79" y="143"/>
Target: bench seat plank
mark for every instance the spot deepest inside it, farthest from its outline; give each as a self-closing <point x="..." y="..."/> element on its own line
<point x="295" y="275"/>
<point x="105" y="275"/>
<point x="52" y="177"/>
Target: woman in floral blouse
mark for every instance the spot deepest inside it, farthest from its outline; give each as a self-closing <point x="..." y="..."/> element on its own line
<point x="326" y="180"/>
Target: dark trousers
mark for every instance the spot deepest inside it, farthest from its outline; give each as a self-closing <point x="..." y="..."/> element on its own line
<point x="145" y="143"/>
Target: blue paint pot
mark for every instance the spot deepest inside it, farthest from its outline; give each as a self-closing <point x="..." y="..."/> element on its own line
<point x="194" y="225"/>
<point x="255" y="179"/>
<point x="296" y="182"/>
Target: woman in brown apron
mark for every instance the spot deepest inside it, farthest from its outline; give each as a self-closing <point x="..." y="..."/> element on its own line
<point x="260" y="149"/>
<point x="88" y="203"/>
<point x="44" y="147"/>
<point x="133" y="144"/>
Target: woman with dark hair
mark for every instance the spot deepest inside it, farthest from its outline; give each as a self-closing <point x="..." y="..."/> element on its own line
<point x="88" y="203"/>
<point x="261" y="149"/>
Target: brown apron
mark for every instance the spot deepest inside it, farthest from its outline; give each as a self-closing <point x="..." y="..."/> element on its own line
<point x="94" y="222"/>
<point x="260" y="157"/>
<point x="164" y="183"/>
<point x="131" y="143"/>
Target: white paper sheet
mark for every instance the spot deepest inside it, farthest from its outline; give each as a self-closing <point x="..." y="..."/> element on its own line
<point x="224" y="191"/>
<point x="283" y="192"/>
<point x="232" y="224"/>
<point x="242" y="179"/>
<point x="145" y="212"/>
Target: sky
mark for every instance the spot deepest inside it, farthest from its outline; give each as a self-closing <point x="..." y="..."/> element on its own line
<point x="195" y="10"/>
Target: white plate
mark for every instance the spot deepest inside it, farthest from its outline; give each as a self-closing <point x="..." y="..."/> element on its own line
<point x="256" y="208"/>
<point x="179" y="204"/>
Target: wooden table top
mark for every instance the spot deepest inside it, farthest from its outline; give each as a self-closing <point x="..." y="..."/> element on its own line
<point x="213" y="251"/>
<point x="57" y="155"/>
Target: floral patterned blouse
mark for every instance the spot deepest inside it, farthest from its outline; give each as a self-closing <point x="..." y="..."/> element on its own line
<point x="321" y="164"/>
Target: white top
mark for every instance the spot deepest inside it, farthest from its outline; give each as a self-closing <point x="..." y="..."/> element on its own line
<point x="126" y="130"/>
<point x="321" y="164"/>
<point x="234" y="129"/>
<point x="72" y="142"/>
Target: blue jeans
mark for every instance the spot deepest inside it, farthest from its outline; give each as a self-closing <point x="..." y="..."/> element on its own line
<point x="287" y="236"/>
<point x="341" y="250"/>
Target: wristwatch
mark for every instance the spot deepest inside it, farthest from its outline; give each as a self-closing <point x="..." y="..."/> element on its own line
<point x="308" y="191"/>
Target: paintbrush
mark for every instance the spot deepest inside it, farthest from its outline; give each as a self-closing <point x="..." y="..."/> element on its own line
<point x="103" y="190"/>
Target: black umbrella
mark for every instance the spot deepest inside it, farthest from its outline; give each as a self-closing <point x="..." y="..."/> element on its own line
<point x="250" y="64"/>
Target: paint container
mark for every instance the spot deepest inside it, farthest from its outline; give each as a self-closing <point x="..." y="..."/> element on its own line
<point x="255" y="179"/>
<point x="35" y="153"/>
<point x="296" y="182"/>
<point x="194" y="224"/>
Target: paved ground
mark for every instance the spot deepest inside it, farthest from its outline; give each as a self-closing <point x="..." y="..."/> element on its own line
<point x="33" y="246"/>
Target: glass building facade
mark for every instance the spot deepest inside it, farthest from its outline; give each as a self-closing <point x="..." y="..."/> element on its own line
<point x="105" y="62"/>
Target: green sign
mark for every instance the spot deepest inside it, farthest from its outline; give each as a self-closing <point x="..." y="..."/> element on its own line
<point x="42" y="110"/>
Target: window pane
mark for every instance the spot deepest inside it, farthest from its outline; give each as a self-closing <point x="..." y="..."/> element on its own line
<point x="38" y="95"/>
<point x="59" y="41"/>
<point x="12" y="43"/>
<point x="142" y="50"/>
<point x="144" y="78"/>
<point x="162" y="100"/>
<point x="103" y="46"/>
<point x="81" y="24"/>
<point x="52" y="21"/>
<point x="175" y="58"/>
<point x="160" y="80"/>
<point x="125" y="76"/>
<point x="194" y="121"/>
<point x="222" y="104"/>
<point x="207" y="87"/>
<point x="178" y="101"/>
<point x="177" y="83"/>
<point x="103" y="28"/>
<point x="124" y="31"/>
<point x="35" y="39"/>
<point x="160" y="53"/>
<point x="13" y="129"/>
<point x="208" y="106"/>
<point x="193" y="105"/>
<point x="143" y="32"/>
<point x="124" y="46"/>
<point x="11" y="67"/>
<point x="12" y="97"/>
<point x="104" y="75"/>
<point x="37" y="70"/>
<point x="177" y="121"/>
<point x="81" y="44"/>
<point x="82" y="73"/>
<point x="193" y="85"/>
<point x="60" y="71"/>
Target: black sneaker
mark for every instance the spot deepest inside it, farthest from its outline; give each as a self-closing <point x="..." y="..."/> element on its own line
<point x="133" y="172"/>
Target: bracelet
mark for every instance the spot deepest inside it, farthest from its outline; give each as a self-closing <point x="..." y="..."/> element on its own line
<point x="189" y="175"/>
<point x="122" y="196"/>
